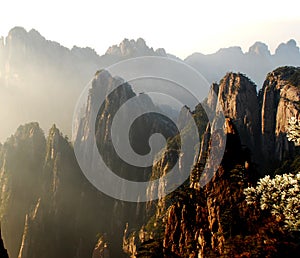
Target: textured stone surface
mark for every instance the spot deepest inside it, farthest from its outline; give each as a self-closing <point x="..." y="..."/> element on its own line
<point x="280" y="98"/>
<point x="101" y="249"/>
<point x="202" y="222"/>
<point x="238" y="98"/>
<point x="194" y="228"/>
<point x="60" y="208"/>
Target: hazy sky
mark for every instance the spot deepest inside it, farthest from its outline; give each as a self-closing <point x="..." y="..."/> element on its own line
<point x="181" y="27"/>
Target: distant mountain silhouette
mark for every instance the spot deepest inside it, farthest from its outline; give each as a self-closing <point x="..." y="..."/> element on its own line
<point x="256" y="63"/>
<point x="41" y="80"/>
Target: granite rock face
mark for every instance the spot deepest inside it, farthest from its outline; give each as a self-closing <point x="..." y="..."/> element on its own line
<point x="101" y="249"/>
<point x="209" y="221"/>
<point x="24" y="152"/>
<point x="196" y="222"/>
<point x="260" y="119"/>
<point x="122" y="213"/>
<point x="47" y="201"/>
<point x="45" y="196"/>
<point x="238" y="98"/>
<point x="279" y="100"/>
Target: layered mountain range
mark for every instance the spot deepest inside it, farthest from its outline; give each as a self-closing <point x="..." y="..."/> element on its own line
<point x="40" y="80"/>
<point x="49" y="209"/>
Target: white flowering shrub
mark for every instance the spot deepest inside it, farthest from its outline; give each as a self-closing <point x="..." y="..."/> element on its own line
<point x="280" y="196"/>
<point x="293" y="130"/>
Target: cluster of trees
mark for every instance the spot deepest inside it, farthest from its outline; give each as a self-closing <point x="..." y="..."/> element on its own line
<point x="280" y="196"/>
<point x="275" y="207"/>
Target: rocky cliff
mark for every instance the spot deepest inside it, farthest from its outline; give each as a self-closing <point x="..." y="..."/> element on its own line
<point x="213" y="216"/>
<point x="238" y="98"/>
<point x="261" y="119"/>
<point x="34" y="71"/>
<point x="279" y="100"/>
<point x="214" y="221"/>
<point x="47" y="202"/>
<point x="22" y="153"/>
<point x="122" y="212"/>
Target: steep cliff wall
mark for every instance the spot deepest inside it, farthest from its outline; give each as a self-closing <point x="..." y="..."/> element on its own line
<point x="279" y="100"/>
<point x="21" y="172"/>
<point x="47" y="201"/>
<point x="215" y="221"/>
<point x="238" y="98"/>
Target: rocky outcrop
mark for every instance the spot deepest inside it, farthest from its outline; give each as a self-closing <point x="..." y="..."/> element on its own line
<point x="34" y="71"/>
<point x="21" y="171"/>
<point x="45" y="198"/>
<point x="60" y="207"/>
<point x="262" y="120"/>
<point x="212" y="97"/>
<point x="133" y="240"/>
<point x="200" y="229"/>
<point x="238" y="98"/>
<point x="141" y="130"/>
<point x="279" y="100"/>
<point x="221" y="201"/>
<point x="212" y="221"/>
<point x="101" y="249"/>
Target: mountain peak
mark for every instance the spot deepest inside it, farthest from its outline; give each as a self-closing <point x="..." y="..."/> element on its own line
<point x="288" y="74"/>
<point x="133" y="48"/>
<point x="259" y="49"/>
<point x="18" y="32"/>
<point x="236" y="82"/>
<point x="287" y="49"/>
<point x="29" y="130"/>
<point x="292" y="43"/>
<point x="230" y="50"/>
<point x="35" y="34"/>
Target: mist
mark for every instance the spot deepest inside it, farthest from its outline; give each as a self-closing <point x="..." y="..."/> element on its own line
<point x="41" y="80"/>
